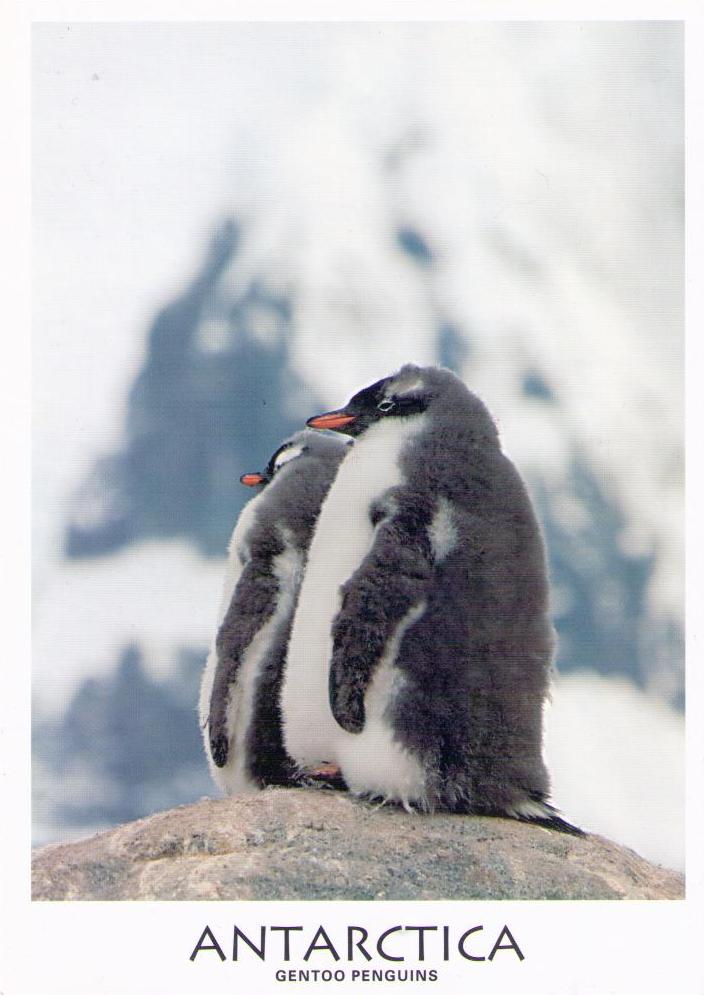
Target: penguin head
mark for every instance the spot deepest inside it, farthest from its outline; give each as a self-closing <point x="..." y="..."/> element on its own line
<point x="402" y="394"/>
<point x="301" y="444"/>
<point x="410" y="391"/>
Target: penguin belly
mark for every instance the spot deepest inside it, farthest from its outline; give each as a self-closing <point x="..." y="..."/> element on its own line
<point x="377" y="763"/>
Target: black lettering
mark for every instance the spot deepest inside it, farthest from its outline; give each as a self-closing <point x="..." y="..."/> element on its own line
<point x="461" y="948"/>
<point x="432" y="975"/>
<point x="511" y="946"/>
<point x="287" y="948"/>
<point x="359" y="944"/>
<point x="259" y="951"/>
<point x="207" y="947"/>
<point x="382" y="937"/>
<point x="327" y="945"/>
<point x="421" y="940"/>
<point x="445" y="943"/>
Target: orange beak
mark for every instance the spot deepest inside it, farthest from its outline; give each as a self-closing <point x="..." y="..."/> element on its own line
<point x="251" y="480"/>
<point x="331" y="420"/>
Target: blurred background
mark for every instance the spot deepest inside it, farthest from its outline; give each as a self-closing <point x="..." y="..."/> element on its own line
<point x="238" y="225"/>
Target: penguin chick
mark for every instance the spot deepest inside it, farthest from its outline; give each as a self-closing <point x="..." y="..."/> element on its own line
<point x="424" y="646"/>
<point x="239" y="698"/>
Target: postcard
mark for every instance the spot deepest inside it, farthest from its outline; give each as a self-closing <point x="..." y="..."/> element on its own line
<point x="361" y="652"/>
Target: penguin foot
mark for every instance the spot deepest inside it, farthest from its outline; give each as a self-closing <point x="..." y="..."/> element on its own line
<point x="375" y="801"/>
<point x="324" y="775"/>
<point x="325" y="770"/>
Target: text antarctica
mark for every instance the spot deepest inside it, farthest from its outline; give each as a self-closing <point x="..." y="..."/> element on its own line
<point x="398" y="943"/>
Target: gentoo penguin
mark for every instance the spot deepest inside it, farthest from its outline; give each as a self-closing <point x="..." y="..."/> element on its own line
<point x="239" y="697"/>
<point x="421" y="650"/>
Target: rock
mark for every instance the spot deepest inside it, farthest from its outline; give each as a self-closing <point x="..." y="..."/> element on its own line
<point x="320" y="844"/>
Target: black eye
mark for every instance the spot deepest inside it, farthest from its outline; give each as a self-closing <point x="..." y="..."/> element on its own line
<point x="386" y="405"/>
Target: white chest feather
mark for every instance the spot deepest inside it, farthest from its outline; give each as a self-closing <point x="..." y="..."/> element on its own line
<point x="342" y="538"/>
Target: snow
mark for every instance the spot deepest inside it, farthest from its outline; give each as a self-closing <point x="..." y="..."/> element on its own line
<point x="160" y="596"/>
<point x="616" y="756"/>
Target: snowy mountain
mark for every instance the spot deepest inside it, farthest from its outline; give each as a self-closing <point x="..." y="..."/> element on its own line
<point x="218" y="392"/>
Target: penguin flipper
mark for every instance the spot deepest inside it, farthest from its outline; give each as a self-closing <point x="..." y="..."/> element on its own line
<point x="253" y="602"/>
<point x="390" y="583"/>
<point x="347" y="692"/>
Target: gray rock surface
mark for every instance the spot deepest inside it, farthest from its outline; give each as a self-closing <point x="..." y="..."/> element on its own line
<point x="318" y="844"/>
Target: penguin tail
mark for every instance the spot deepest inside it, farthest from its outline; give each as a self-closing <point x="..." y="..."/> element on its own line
<point x="542" y="814"/>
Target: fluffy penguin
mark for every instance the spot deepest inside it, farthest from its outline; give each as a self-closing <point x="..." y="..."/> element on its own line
<point x="421" y="650"/>
<point x="239" y="697"/>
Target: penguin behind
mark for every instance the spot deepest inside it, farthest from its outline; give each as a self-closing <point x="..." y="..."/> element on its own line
<point x="424" y="647"/>
<point x="239" y="697"/>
